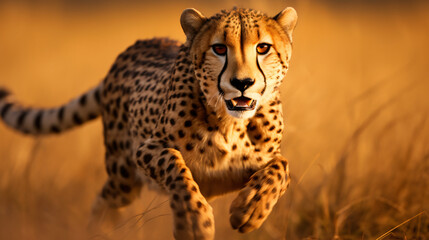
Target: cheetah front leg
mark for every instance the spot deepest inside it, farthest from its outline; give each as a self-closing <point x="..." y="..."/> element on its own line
<point x="255" y="201"/>
<point x="193" y="216"/>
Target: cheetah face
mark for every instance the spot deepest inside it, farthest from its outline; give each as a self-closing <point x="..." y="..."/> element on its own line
<point x="240" y="57"/>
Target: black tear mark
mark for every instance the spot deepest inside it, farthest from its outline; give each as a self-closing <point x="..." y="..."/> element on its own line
<point x="262" y="72"/>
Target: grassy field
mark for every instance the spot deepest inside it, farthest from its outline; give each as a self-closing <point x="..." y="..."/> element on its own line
<point x="355" y="99"/>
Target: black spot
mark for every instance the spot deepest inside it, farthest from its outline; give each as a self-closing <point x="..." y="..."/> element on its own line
<point x="125" y="188"/>
<point x="120" y="126"/>
<point x="138" y="153"/>
<point x="161" y="161"/>
<point x="175" y="197"/>
<point x="182" y="113"/>
<point x="275" y="166"/>
<point x="251" y="127"/>
<point x="151" y="146"/>
<point x="181" y="134"/>
<point x="147" y="158"/>
<point x="105" y="193"/>
<point x="267" y="206"/>
<point x="189" y="146"/>
<point x="188" y="123"/>
<point x="38" y="120"/>
<point x="97" y="96"/>
<point x="207" y="223"/>
<point x="5" y="109"/>
<point x="55" y="129"/>
<point x="124" y="172"/>
<point x="114" y="167"/>
<point x="284" y="163"/>
<point x="22" y="117"/>
<point x="92" y="116"/>
<point x="82" y="100"/>
<point x="61" y="113"/>
<point x="168" y="181"/>
<point x="112" y="184"/>
<point x="170" y="167"/>
<point x="152" y="172"/>
<point x="4" y="93"/>
<point x="76" y="119"/>
<point x="180" y="226"/>
<point x="171" y="137"/>
<point x="180" y="214"/>
<point x="187" y="197"/>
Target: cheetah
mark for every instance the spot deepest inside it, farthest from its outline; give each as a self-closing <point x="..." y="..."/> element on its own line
<point x="195" y="120"/>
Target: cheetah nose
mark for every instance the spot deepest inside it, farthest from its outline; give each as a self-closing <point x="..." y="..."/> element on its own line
<point x="242" y="84"/>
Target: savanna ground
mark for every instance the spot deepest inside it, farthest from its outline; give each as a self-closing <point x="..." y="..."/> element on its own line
<point x="355" y="100"/>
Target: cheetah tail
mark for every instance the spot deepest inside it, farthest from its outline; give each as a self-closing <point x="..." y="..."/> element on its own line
<point x="49" y="120"/>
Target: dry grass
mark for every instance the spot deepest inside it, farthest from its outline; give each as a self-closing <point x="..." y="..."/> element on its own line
<point x="356" y="104"/>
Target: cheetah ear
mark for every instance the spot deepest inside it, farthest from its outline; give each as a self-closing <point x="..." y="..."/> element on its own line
<point x="287" y="19"/>
<point x="191" y="21"/>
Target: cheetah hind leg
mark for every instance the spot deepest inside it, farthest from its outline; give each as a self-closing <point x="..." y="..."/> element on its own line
<point x="106" y="210"/>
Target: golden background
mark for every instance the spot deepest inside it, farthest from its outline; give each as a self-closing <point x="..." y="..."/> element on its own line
<point x="355" y="101"/>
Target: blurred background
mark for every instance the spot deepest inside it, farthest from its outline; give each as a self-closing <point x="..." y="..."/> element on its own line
<point x="355" y="101"/>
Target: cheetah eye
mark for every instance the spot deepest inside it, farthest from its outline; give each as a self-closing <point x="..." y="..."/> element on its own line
<point x="219" y="49"/>
<point x="263" y="48"/>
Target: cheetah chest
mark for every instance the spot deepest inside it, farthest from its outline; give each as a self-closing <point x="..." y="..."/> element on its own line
<point x="223" y="162"/>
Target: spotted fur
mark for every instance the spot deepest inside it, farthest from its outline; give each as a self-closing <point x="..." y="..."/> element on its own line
<point x="196" y="120"/>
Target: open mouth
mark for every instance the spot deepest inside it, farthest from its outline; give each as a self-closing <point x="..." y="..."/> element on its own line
<point x="241" y="104"/>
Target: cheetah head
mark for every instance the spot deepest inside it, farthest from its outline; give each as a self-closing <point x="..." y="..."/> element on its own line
<point x="240" y="56"/>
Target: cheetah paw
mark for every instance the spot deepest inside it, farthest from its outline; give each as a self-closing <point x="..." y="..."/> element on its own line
<point x="193" y="218"/>
<point x="253" y="205"/>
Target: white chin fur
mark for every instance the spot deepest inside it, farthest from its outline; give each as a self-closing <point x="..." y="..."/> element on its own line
<point x="241" y="114"/>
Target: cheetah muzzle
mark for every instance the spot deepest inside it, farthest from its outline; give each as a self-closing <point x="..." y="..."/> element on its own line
<point x="241" y="104"/>
<point x="196" y="120"/>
